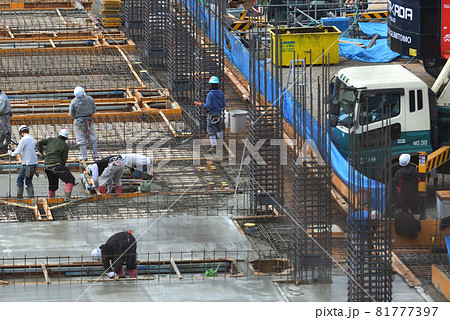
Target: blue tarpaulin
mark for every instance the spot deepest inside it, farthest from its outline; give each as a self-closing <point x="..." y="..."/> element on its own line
<point x="447" y="239"/>
<point x="379" y="52"/>
<point x="373" y="28"/>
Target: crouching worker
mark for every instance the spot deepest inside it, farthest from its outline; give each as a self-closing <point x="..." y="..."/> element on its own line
<point x="107" y="171"/>
<point x="140" y="166"/>
<point x="120" y="247"/>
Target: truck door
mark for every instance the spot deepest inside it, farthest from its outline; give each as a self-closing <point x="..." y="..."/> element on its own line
<point x="381" y="115"/>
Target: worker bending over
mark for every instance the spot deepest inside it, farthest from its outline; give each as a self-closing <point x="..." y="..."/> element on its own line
<point x="56" y="154"/>
<point x="215" y="103"/>
<point x="141" y="167"/>
<point x="27" y="151"/>
<point x="5" y="117"/>
<point x="106" y="171"/>
<point x="406" y="180"/>
<point x="119" y="248"/>
<point x="81" y="108"/>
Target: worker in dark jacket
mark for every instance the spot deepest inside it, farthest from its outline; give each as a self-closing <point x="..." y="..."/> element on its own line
<point x="215" y="103"/>
<point x="56" y="154"/>
<point x="406" y="180"/>
<point x="81" y="109"/>
<point x="120" y="247"/>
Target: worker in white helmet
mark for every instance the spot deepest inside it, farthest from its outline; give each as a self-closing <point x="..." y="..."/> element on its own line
<point x="106" y="172"/>
<point x="81" y="109"/>
<point x="119" y="248"/>
<point x="140" y="166"/>
<point x="215" y="104"/>
<point x="5" y="117"/>
<point x="406" y="180"/>
<point x="56" y="154"/>
<point x="27" y="151"/>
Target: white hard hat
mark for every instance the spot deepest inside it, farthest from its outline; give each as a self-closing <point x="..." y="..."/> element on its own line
<point x="23" y="127"/>
<point x="78" y="92"/>
<point x="64" y="133"/>
<point x="374" y="214"/>
<point x="404" y="159"/>
<point x="96" y="254"/>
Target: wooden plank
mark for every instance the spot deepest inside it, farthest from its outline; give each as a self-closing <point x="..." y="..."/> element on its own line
<point x="131" y="67"/>
<point x="60" y="15"/>
<point x="399" y="267"/>
<point x="440" y="281"/>
<point x="163" y="116"/>
<point x="44" y="270"/>
<point x="3" y="282"/>
<point x="372" y="42"/>
<point x="174" y="265"/>
<point x="45" y="206"/>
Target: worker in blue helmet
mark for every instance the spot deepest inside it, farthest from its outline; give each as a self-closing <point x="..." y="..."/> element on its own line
<point x="214" y="105"/>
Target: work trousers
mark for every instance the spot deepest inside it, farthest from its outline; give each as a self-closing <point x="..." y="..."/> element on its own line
<point x="84" y="131"/>
<point x="114" y="172"/>
<point x="5" y="128"/>
<point x="213" y="128"/>
<point x="56" y="172"/>
<point x="27" y="176"/>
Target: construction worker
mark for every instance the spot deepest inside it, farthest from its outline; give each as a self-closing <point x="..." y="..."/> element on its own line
<point x="81" y="108"/>
<point x="215" y="104"/>
<point x="119" y="248"/>
<point x="56" y="154"/>
<point x="27" y="151"/>
<point x="406" y="180"/>
<point x="141" y="167"/>
<point x="106" y="171"/>
<point x="5" y="116"/>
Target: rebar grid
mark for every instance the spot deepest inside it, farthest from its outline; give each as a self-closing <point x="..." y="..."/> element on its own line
<point x="266" y="127"/>
<point x="103" y="68"/>
<point x="157" y="266"/>
<point x="40" y="23"/>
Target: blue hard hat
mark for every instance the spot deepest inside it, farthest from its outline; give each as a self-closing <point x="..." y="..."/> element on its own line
<point x="214" y="80"/>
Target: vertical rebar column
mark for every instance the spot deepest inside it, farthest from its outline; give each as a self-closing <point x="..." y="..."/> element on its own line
<point x="134" y="20"/>
<point x="155" y="32"/>
<point x="181" y="43"/>
<point x="311" y="177"/>
<point x="265" y="132"/>
<point x="369" y="226"/>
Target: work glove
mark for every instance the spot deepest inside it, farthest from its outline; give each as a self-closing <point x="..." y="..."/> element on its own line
<point x="198" y="104"/>
<point x="111" y="274"/>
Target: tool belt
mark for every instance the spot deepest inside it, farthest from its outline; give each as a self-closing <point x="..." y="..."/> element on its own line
<point x="30" y="170"/>
<point x="214" y="118"/>
<point x="53" y="167"/>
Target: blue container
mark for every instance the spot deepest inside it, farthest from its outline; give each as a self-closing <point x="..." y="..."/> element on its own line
<point x="341" y="23"/>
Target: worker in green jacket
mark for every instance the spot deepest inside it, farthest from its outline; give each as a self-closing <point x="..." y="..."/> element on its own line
<point x="56" y="154"/>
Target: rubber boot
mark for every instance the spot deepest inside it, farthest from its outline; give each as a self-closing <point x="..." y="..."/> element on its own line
<point x="95" y="150"/>
<point x="132" y="273"/>
<point x="69" y="187"/>
<point x="19" y="191"/>
<point x="83" y="151"/>
<point x="30" y="192"/>
<point x="102" y="189"/>
<point x="121" y="273"/>
<point x="118" y="189"/>
<point x="51" y="194"/>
